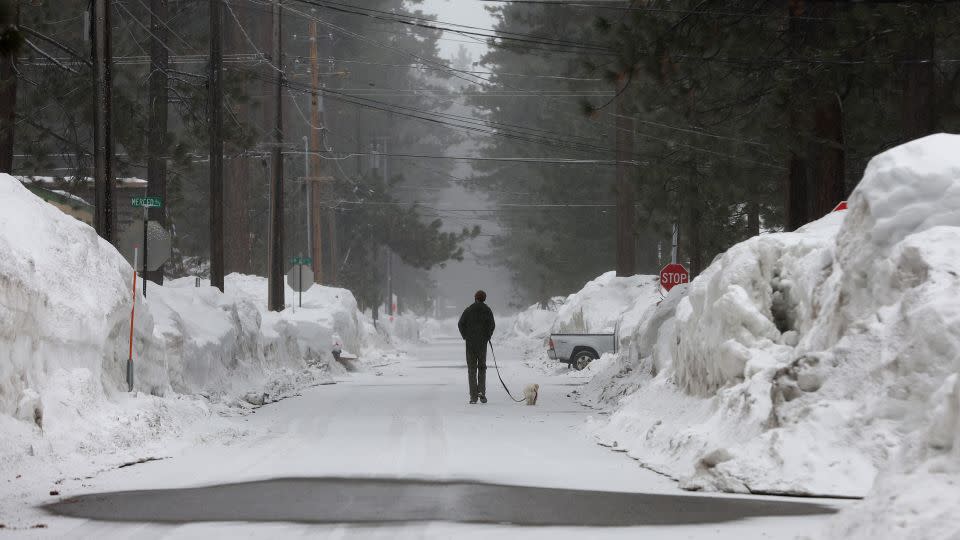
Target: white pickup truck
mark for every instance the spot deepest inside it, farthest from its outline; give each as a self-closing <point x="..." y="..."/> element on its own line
<point x="578" y="350"/>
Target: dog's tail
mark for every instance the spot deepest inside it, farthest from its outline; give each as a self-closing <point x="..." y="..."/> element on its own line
<point x="501" y="377"/>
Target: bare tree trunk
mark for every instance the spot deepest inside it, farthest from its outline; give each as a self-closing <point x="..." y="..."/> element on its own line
<point x="694" y="242"/>
<point x="237" y="172"/>
<point x="828" y="149"/>
<point x="275" y="273"/>
<point x="9" y="18"/>
<point x="797" y="193"/>
<point x="796" y="182"/>
<point x="626" y="256"/>
<point x="105" y="220"/>
<point x="920" y="87"/>
<point x="829" y="173"/>
<point x="215" y="117"/>
<point x="753" y="216"/>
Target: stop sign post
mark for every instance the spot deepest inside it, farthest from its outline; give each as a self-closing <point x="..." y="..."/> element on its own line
<point x="672" y="275"/>
<point x="300" y="277"/>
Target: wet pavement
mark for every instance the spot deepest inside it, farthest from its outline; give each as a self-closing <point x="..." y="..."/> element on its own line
<point x="369" y="501"/>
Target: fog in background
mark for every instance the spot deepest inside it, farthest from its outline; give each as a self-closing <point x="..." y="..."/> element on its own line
<point x="459" y="280"/>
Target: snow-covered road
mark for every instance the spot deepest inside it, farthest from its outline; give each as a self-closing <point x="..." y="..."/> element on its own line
<point x="407" y="419"/>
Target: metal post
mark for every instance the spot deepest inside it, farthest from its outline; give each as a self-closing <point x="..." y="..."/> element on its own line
<point x="102" y="129"/>
<point x="133" y="308"/>
<point x="674" y="252"/>
<point x="146" y="223"/>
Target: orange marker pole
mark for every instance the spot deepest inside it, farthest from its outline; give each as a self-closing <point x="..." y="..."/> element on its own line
<point x="133" y="307"/>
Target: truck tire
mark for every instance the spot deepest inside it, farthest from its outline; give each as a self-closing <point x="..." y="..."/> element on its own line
<point x="582" y="358"/>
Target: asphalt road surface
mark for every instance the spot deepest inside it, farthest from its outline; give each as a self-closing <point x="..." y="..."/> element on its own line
<point x="398" y="448"/>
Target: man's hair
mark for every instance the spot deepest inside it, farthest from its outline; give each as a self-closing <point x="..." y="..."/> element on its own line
<point x="480" y="296"/>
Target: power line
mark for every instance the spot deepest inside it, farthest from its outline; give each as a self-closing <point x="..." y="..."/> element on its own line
<point x="454" y="70"/>
<point x="507" y="130"/>
<point x="464" y="29"/>
<point x="462" y="74"/>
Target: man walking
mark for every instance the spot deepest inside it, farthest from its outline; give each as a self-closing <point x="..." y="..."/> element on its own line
<point x="476" y="328"/>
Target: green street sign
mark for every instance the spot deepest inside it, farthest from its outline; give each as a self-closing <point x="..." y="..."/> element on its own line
<point x="146" y="202"/>
<point x="301" y="260"/>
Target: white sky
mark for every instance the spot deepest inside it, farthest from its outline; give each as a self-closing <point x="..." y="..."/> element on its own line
<point x="457" y="282"/>
<point x="469" y="12"/>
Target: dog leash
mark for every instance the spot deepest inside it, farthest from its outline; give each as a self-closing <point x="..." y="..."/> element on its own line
<point x="500" y="377"/>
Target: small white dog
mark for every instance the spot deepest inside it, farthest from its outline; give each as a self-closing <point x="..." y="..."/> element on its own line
<point x="530" y="393"/>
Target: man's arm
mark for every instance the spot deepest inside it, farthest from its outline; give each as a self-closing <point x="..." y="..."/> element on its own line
<point x="462" y="325"/>
<point x="491" y="323"/>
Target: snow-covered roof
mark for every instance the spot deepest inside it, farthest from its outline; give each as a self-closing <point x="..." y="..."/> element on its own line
<point x="127" y="182"/>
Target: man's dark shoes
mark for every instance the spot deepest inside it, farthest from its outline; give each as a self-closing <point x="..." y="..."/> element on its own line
<point x="473" y="401"/>
<point x="483" y="398"/>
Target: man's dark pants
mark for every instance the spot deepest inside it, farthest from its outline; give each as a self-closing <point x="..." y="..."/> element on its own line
<point x="477" y="369"/>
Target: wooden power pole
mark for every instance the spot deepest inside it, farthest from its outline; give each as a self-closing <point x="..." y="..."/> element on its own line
<point x="104" y="219"/>
<point x="275" y="291"/>
<point x="625" y="190"/>
<point x="215" y="112"/>
<point x="157" y="130"/>
<point x="314" y="185"/>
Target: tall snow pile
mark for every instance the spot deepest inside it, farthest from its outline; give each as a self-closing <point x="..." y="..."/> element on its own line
<point x="535" y="322"/>
<point x="599" y="307"/>
<point x="64" y="304"/>
<point x="806" y="362"/>
<point x="607" y="304"/>
<point x="65" y="298"/>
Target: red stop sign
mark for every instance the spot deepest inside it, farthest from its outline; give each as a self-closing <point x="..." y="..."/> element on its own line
<point x="672" y="275"/>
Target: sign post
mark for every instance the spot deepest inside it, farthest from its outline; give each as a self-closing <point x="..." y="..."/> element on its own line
<point x="672" y="275"/>
<point x="146" y="203"/>
<point x="133" y="307"/>
<point x="300" y="277"/>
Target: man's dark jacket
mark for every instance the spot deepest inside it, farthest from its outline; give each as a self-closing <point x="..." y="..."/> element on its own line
<point x="476" y="325"/>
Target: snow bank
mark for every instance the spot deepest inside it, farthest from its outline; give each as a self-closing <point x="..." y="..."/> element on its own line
<point x="433" y="329"/>
<point x="65" y="297"/>
<point x="606" y="304"/>
<point x="805" y="362"/>
<point x="598" y="308"/>
<point x="64" y="303"/>
<point x="535" y="322"/>
<point x="222" y="344"/>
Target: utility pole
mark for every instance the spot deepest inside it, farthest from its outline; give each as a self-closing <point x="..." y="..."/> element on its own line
<point x="215" y="112"/>
<point x="626" y="258"/>
<point x="307" y="195"/>
<point x="314" y="186"/>
<point x="334" y="255"/>
<point x="275" y="290"/>
<point x="104" y="218"/>
<point x="9" y="19"/>
<point x="157" y="131"/>
<point x="386" y="182"/>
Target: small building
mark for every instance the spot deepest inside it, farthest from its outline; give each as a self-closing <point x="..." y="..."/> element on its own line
<point x="75" y="197"/>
